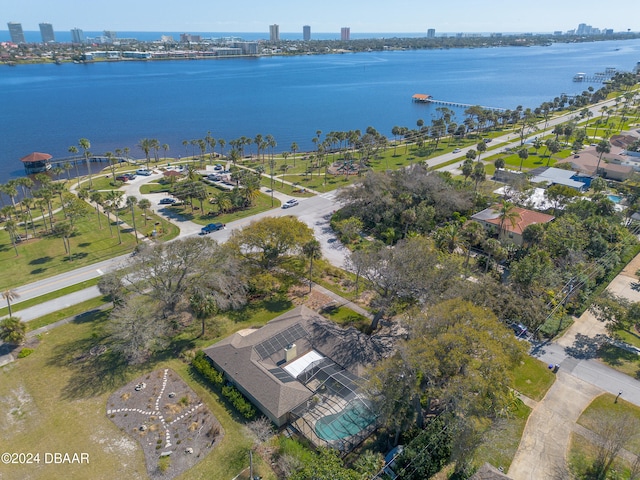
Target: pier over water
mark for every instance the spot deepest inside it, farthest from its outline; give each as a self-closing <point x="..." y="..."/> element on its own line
<point x="423" y="98"/>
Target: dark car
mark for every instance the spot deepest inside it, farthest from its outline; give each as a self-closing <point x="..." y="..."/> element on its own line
<point x="122" y="178"/>
<point x="167" y="201"/>
<point x="218" y="167"/>
<point x="212" y="227"/>
<point x="519" y="329"/>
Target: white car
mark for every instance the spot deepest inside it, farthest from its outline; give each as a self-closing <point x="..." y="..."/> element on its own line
<point x="290" y="203"/>
<point x="144" y="172"/>
<point x="456" y="150"/>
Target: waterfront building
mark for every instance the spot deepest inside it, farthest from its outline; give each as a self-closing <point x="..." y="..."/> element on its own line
<point x="77" y="35"/>
<point x="166" y="38"/>
<point x="306" y="33"/>
<point x="15" y="30"/>
<point x="110" y="34"/>
<point x="188" y="38"/>
<point x="274" y="33"/>
<point x="431" y="33"/>
<point x="46" y="31"/>
<point x="345" y="34"/>
<point x="246" y="48"/>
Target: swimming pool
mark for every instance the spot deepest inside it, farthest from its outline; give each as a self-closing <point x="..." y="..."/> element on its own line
<point x="615" y="198"/>
<point x="351" y="421"/>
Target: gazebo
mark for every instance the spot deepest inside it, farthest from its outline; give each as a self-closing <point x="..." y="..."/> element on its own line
<point x="36" y="162"/>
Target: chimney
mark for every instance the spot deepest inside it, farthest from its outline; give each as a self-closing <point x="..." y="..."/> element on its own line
<point x="290" y="352"/>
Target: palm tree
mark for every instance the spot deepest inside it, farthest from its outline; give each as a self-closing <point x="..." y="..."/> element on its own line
<point x="114" y="197"/>
<point x="294" y="149"/>
<point x="222" y="142"/>
<point x="146" y="145"/>
<point x="96" y="197"/>
<point x="86" y="145"/>
<point x="13" y="331"/>
<point x="507" y="213"/>
<point x="523" y="153"/>
<point x="65" y="230"/>
<point x="602" y="147"/>
<point x="74" y="150"/>
<point x="11" y="228"/>
<point x="478" y="175"/>
<point x="144" y="204"/>
<point x="224" y="202"/>
<point x="132" y="202"/>
<point x="67" y="167"/>
<point x="165" y="147"/>
<point x="313" y="251"/>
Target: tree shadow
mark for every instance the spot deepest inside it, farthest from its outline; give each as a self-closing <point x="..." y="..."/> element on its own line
<point x="38" y="271"/>
<point x="84" y="244"/>
<point x="40" y="261"/>
<point x="615" y="356"/>
<point x="76" y="256"/>
<point x="585" y="347"/>
<point x="635" y="286"/>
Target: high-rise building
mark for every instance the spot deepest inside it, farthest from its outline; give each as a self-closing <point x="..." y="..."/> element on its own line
<point x="110" y="34"/>
<point x="46" y="31"/>
<point x="345" y="34"/>
<point x="306" y="33"/>
<point x="431" y="33"/>
<point x="274" y="33"/>
<point x="77" y="35"/>
<point x="15" y="30"/>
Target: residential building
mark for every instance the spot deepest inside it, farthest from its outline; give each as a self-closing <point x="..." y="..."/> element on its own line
<point x="557" y="176"/>
<point x="46" y="31"/>
<point x="274" y="33"/>
<point x="507" y="231"/>
<point x="345" y="34"/>
<point x="431" y="33"/>
<point x="15" y="30"/>
<point x="77" y="36"/>
<point x="306" y="33"/>
<point x="188" y="38"/>
<point x="110" y="34"/>
<point x="303" y="370"/>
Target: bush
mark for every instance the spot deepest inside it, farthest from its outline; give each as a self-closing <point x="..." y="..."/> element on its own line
<point x="25" y="352"/>
<point x="232" y="394"/>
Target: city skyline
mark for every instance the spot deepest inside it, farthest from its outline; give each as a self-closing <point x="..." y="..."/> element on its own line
<point x="378" y="16"/>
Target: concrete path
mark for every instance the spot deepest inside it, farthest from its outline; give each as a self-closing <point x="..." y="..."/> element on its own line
<point x="545" y="439"/>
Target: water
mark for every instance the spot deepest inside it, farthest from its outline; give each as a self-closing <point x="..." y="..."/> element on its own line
<point x="47" y="108"/>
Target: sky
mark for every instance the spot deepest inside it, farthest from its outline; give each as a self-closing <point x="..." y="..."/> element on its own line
<point x="379" y="16"/>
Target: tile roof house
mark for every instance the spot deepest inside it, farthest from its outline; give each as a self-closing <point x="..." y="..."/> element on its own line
<point x="274" y="365"/>
<point x="489" y="218"/>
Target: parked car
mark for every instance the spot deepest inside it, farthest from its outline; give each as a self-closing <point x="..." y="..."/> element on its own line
<point x="167" y="201"/>
<point x="212" y="227"/>
<point x="214" y="177"/>
<point x="218" y="167"/>
<point x="144" y="172"/>
<point x="290" y="203"/>
<point x="519" y="329"/>
<point x="456" y="150"/>
<point x="122" y="178"/>
<point x="487" y="140"/>
<point x="390" y="461"/>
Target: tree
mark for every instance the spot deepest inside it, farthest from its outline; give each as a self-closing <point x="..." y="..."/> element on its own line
<point x="10" y="295"/>
<point x="507" y="214"/>
<point x="523" y="153"/>
<point x="499" y="163"/>
<point x="13" y="331"/>
<point x="65" y="230"/>
<point x="12" y="229"/>
<point x="136" y="331"/>
<point x="114" y="197"/>
<point x="144" y="204"/>
<point x="167" y="273"/>
<point x="73" y="150"/>
<point x="132" y="202"/>
<point x="560" y="195"/>
<point x="312" y="251"/>
<point x="85" y="144"/>
<point x="267" y="242"/>
<point x="467" y="169"/>
<point x="479" y="175"/>
<point x="598" y="184"/>
<point x="602" y="147"/>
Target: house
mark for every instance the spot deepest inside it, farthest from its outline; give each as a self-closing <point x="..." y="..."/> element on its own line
<point x="510" y="232"/>
<point x="302" y="369"/>
<point x="613" y="166"/>
<point x="556" y="176"/>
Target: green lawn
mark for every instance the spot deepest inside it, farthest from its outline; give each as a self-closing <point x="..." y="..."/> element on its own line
<point x="262" y="203"/>
<point x="500" y="443"/>
<point x="621" y="360"/>
<point x="57" y="399"/>
<point x="347" y="318"/>
<point x="49" y="296"/>
<point x="532" y="378"/>
<point x="45" y="255"/>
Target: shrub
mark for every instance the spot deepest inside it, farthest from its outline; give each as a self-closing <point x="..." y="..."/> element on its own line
<point x="232" y="394"/>
<point x="25" y="352"/>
